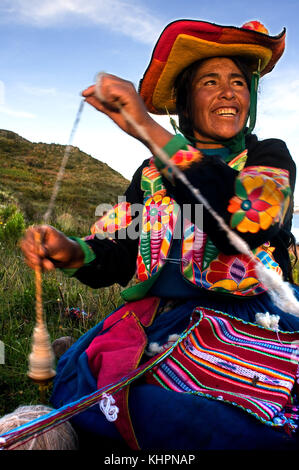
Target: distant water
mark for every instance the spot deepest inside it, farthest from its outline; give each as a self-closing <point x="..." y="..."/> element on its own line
<point x="295" y="226"/>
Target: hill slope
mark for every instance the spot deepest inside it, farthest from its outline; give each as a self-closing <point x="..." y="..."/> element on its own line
<point x="28" y="173"/>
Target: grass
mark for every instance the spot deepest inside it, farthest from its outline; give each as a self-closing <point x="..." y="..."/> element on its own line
<point x="17" y="319"/>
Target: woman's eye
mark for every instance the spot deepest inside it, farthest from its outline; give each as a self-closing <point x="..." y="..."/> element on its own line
<point x="239" y="83"/>
<point x="210" y="82"/>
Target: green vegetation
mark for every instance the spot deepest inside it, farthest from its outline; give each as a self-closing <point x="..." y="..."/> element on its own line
<point x="28" y="172"/>
<point x="27" y="175"/>
<point x="12" y="223"/>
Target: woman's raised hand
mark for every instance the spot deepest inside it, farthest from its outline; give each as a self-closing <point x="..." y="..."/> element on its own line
<point x="112" y="93"/>
<point x="55" y="250"/>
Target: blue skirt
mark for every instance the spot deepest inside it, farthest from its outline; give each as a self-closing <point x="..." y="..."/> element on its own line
<point x="164" y="419"/>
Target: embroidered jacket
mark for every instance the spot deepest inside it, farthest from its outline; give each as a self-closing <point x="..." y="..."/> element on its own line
<point x="252" y="193"/>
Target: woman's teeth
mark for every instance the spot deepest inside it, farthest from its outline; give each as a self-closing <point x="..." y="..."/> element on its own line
<point x="226" y="111"/>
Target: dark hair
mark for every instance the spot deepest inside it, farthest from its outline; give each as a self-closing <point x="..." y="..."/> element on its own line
<point x="183" y="87"/>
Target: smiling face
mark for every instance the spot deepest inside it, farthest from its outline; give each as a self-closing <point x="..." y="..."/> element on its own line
<point x="220" y="100"/>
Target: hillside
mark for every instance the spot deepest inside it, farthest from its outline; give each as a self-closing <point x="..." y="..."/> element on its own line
<point x="28" y="173"/>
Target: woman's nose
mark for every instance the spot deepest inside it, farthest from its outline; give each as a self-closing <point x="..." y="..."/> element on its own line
<point x="227" y="91"/>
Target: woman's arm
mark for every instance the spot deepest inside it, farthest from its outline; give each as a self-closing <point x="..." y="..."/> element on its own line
<point x="100" y="259"/>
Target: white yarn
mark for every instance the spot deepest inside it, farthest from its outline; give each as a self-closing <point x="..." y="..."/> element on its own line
<point x="108" y="408"/>
<point x="239" y="243"/>
<point x="280" y="291"/>
<point x="64" y="161"/>
<point x="2" y="441"/>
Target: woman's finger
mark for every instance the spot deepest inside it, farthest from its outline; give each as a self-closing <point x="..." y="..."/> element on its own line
<point x="47" y="265"/>
<point x="33" y="250"/>
<point x="93" y="101"/>
<point x="88" y="91"/>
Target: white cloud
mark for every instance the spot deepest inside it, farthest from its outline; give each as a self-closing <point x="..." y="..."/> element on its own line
<point x="16" y="113"/>
<point x="127" y="17"/>
<point x="278" y="112"/>
<point x="39" y="91"/>
<point x="278" y="107"/>
<point x="4" y="109"/>
<point x="96" y="136"/>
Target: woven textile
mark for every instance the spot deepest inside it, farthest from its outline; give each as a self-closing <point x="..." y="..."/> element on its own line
<point x="238" y="362"/>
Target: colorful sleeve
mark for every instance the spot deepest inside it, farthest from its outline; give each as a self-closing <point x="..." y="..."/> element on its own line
<point x="117" y="218"/>
<point x="113" y="242"/>
<point x="89" y="256"/>
<point x="108" y="226"/>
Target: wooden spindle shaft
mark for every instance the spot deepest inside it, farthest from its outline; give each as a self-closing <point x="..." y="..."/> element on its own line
<point x="41" y="359"/>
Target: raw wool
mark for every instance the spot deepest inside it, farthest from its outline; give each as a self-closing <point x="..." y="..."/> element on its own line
<point x="62" y="437"/>
<point x="156" y="348"/>
<point x="268" y="321"/>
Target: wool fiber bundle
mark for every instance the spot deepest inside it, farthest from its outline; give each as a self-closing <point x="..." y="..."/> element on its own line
<point x="62" y="437"/>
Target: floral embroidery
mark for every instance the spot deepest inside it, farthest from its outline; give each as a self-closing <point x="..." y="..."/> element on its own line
<point x="227" y="273"/>
<point x="259" y="201"/>
<point x="158" y="221"/>
<point x="184" y="158"/>
<point x="156" y="213"/>
<point x="119" y="217"/>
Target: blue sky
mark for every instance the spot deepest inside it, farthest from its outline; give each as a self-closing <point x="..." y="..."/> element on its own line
<point x="52" y="49"/>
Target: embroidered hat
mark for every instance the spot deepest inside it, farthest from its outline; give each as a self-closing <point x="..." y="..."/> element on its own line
<point x="183" y="42"/>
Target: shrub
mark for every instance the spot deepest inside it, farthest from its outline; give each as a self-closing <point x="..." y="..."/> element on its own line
<point x="12" y="224"/>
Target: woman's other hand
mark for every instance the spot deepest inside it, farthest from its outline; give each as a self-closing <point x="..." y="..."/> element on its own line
<point x="54" y="250"/>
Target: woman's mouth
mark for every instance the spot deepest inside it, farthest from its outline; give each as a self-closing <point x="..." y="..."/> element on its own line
<point x="226" y="112"/>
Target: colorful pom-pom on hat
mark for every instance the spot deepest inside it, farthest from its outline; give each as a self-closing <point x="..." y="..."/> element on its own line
<point x="183" y="42"/>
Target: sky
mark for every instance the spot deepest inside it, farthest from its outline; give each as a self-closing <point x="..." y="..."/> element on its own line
<point x="51" y="50"/>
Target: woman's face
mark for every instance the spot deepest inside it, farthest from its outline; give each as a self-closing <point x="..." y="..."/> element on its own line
<point x="220" y="100"/>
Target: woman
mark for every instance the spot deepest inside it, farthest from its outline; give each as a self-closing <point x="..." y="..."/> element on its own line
<point x="239" y="394"/>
